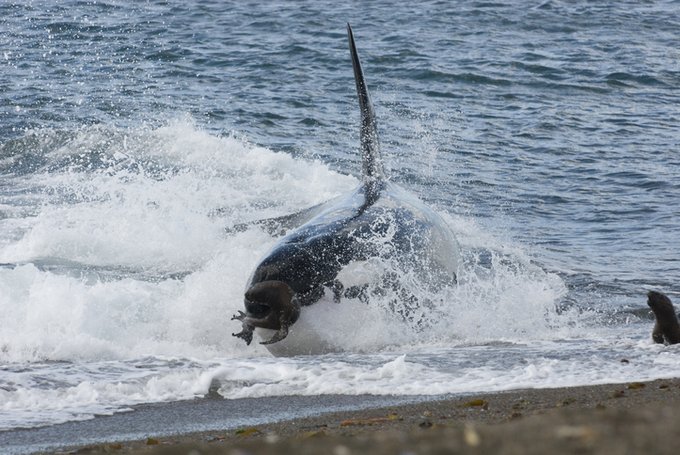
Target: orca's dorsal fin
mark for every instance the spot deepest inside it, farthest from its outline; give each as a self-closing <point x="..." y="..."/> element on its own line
<point x="370" y="146"/>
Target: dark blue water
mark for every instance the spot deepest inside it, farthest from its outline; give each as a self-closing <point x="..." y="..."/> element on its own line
<point x="545" y="128"/>
<point x="558" y="118"/>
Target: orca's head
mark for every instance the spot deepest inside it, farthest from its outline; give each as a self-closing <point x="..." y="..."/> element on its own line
<point x="269" y="305"/>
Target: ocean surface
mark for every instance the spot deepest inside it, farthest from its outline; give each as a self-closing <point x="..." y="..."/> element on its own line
<point x="135" y="135"/>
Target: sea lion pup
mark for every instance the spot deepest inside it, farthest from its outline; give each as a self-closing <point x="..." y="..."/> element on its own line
<point x="376" y="240"/>
<point x="667" y="329"/>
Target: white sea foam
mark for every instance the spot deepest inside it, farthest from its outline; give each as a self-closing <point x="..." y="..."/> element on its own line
<point x="98" y="389"/>
<point x="150" y="206"/>
<point x="82" y="390"/>
<point x="127" y="255"/>
<point x="124" y="270"/>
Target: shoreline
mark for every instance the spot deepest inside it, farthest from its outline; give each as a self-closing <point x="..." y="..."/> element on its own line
<point x="611" y="418"/>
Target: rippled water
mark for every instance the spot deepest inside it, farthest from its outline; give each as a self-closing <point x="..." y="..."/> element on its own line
<point x="133" y="133"/>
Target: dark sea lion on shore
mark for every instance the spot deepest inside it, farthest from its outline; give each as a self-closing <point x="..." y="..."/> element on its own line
<point x="379" y="233"/>
<point x="667" y="328"/>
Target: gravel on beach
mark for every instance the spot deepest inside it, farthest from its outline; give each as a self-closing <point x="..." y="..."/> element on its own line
<point x="638" y="417"/>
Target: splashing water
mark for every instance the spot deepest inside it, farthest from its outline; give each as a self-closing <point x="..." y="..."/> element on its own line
<point x="121" y="276"/>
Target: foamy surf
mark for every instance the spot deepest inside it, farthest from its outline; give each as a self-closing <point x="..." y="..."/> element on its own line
<point x="122" y="273"/>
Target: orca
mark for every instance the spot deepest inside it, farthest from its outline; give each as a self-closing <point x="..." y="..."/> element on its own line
<point x="377" y="223"/>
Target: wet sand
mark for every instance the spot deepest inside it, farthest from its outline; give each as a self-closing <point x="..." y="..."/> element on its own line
<point x="613" y="419"/>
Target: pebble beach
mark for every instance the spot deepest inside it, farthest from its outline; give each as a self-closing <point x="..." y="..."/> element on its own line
<point x="637" y="417"/>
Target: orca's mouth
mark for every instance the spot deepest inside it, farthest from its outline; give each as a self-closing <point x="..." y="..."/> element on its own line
<point x="269" y="305"/>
